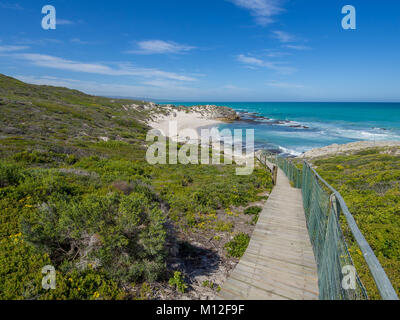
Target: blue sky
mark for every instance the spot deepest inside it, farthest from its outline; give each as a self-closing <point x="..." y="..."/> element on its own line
<point x="207" y="50"/>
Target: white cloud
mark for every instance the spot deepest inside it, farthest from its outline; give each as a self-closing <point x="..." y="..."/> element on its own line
<point x="78" y="41"/>
<point x="285" y="85"/>
<point x="231" y="87"/>
<point x="297" y="47"/>
<point x="43" y="42"/>
<point x="275" y="53"/>
<point x="279" y="67"/>
<point x="289" y="41"/>
<point x="64" y="22"/>
<point x="13" y="6"/>
<point x="250" y="60"/>
<point x="12" y="48"/>
<point x="283" y="36"/>
<point x="165" y="90"/>
<point x="170" y="84"/>
<point x="126" y="69"/>
<point x="83" y="42"/>
<point x="262" y="10"/>
<point x="160" y="47"/>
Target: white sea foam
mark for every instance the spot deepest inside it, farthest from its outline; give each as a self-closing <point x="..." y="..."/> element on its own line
<point x="365" y="135"/>
<point x="337" y="130"/>
<point x="289" y="151"/>
<point x="289" y="123"/>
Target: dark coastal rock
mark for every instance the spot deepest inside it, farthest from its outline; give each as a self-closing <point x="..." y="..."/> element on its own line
<point x="299" y="126"/>
<point x="210" y="112"/>
<point x="254" y="117"/>
<point x="222" y="113"/>
<point x="216" y="112"/>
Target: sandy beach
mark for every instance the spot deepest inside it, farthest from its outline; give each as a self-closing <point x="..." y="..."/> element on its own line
<point x="184" y="120"/>
<point x="195" y="118"/>
<point x="199" y="117"/>
<point x="205" y="117"/>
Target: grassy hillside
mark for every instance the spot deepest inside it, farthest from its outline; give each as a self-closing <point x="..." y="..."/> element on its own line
<point x="64" y="119"/>
<point x="77" y="193"/>
<point x="369" y="182"/>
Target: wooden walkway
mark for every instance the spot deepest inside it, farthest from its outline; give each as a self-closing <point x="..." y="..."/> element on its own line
<point x="279" y="263"/>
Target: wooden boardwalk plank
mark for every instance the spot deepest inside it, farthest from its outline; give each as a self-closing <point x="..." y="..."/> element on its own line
<point x="279" y="262"/>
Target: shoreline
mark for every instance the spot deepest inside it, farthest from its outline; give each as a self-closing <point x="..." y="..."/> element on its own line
<point x="184" y="121"/>
<point x="202" y="117"/>
<point x="350" y="148"/>
<point x="196" y="120"/>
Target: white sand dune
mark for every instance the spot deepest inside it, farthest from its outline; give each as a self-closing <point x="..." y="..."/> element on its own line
<point x="192" y="120"/>
<point x="184" y="120"/>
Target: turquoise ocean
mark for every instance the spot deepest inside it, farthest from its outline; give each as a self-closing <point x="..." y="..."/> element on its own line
<point x="294" y="128"/>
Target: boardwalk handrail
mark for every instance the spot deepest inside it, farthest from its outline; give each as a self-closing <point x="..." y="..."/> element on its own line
<point x="322" y="210"/>
<point x="382" y="281"/>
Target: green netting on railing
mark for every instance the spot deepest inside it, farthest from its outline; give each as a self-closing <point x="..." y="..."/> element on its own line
<point x="330" y="249"/>
<point x="292" y="172"/>
<point x="323" y="205"/>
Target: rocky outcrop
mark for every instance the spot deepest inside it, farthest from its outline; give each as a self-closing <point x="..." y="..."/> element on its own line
<point x="208" y="112"/>
<point x="219" y="113"/>
<point x="351" y="148"/>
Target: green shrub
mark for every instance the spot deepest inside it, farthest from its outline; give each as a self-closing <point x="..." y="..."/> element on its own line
<point x="178" y="281"/>
<point x="187" y="180"/>
<point x="237" y="247"/>
<point x="21" y="277"/>
<point x="369" y="182"/>
<point x="98" y="222"/>
<point x="221" y="226"/>
<point x="111" y="170"/>
<point x="253" y="210"/>
<point x="20" y="269"/>
<point x="113" y="144"/>
<point x="84" y="285"/>
<point x="207" y="189"/>
<point x="33" y="157"/>
<point x="10" y="174"/>
<point x="124" y="235"/>
<point x="208" y="284"/>
<point x="145" y="292"/>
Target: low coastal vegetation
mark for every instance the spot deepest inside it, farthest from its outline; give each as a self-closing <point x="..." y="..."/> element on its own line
<point x="237" y="247"/>
<point x="76" y="193"/>
<point x="255" y="212"/>
<point x="369" y="181"/>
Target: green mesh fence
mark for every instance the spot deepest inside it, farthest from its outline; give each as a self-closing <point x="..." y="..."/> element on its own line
<point x="292" y="172"/>
<point x="289" y="168"/>
<point x="330" y="249"/>
<point x="338" y="278"/>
